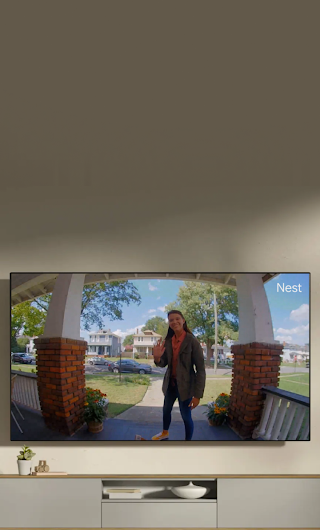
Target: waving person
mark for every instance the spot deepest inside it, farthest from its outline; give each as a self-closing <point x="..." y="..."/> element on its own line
<point x="185" y="376"/>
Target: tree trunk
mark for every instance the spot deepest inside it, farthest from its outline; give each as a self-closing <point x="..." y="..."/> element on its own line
<point x="215" y="334"/>
<point x="209" y="352"/>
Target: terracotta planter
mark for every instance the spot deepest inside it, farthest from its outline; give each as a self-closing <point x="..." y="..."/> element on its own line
<point x="94" y="426"/>
<point x="215" y="423"/>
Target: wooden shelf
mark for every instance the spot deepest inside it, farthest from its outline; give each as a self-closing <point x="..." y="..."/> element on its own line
<point x="163" y="499"/>
<point x="182" y="477"/>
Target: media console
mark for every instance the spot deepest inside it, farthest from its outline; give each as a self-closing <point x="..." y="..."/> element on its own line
<point x="78" y="501"/>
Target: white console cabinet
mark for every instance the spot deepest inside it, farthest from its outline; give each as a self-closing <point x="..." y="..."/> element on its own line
<point x="159" y="507"/>
<point x="268" y="503"/>
<point x="50" y="503"/>
<point x="83" y="502"/>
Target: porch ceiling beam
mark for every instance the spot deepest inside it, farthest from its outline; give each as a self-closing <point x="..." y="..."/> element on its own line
<point x="167" y="274"/>
<point x="107" y="276"/>
<point x="29" y="293"/>
<point x="34" y="281"/>
<point x="17" y="297"/>
<point x="228" y="278"/>
<point x="198" y="275"/>
<point x="42" y="289"/>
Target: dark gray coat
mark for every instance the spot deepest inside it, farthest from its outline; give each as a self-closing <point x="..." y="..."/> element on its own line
<point x="190" y="382"/>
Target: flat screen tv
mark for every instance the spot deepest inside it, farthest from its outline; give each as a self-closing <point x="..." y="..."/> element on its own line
<point x="160" y="357"/>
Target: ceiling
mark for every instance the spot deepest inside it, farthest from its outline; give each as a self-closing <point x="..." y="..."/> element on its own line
<point x="28" y="286"/>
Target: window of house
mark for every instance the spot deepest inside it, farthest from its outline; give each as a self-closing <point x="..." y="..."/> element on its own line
<point x="102" y="337"/>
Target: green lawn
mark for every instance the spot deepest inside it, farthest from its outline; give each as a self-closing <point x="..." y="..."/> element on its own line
<point x="24" y="367"/>
<point x="121" y="394"/>
<point x="214" y="387"/>
<point x="297" y="383"/>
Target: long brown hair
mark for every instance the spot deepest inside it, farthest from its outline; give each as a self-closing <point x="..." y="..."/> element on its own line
<point x="185" y="327"/>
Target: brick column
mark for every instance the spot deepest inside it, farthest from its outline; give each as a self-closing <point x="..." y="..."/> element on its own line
<point x="61" y="382"/>
<point x="254" y="365"/>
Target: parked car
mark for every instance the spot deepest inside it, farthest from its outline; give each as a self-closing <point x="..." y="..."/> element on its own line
<point x="307" y="363"/>
<point x="129" y="365"/>
<point x="23" y="358"/>
<point x="99" y="360"/>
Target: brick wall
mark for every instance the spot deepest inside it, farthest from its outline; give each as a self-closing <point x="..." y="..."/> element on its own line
<point x="254" y="365"/>
<point x="61" y="382"/>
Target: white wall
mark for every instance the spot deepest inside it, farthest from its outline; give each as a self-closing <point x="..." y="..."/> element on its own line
<point x="218" y="128"/>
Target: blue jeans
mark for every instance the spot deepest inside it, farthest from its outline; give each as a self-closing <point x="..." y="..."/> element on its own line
<point x="171" y="395"/>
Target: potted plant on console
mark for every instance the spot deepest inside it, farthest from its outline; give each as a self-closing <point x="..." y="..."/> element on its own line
<point x="25" y="460"/>
<point x="217" y="411"/>
<point x="95" y="409"/>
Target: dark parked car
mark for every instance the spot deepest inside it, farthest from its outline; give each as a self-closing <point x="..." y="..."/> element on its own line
<point x="23" y="358"/>
<point x="99" y="360"/>
<point x="129" y="365"/>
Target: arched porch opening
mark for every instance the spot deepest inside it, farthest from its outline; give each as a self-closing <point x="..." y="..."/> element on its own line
<point x="61" y="353"/>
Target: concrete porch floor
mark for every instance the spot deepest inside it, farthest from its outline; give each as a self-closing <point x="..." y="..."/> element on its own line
<point x="115" y="429"/>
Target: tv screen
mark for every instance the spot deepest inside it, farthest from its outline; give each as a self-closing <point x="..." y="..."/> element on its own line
<point x="160" y="357"/>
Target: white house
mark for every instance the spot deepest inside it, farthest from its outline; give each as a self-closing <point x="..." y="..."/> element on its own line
<point x="30" y="347"/>
<point x="220" y="349"/>
<point x="144" y="341"/>
<point x="289" y="355"/>
<point x="104" y="342"/>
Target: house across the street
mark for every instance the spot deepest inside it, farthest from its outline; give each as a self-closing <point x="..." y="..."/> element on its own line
<point x="104" y="342"/>
<point x="144" y="341"/>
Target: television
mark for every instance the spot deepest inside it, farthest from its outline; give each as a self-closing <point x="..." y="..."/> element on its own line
<point x="160" y="356"/>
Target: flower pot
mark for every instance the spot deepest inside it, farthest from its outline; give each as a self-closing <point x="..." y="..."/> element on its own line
<point x="95" y="426"/>
<point x="25" y="467"/>
<point x="215" y="423"/>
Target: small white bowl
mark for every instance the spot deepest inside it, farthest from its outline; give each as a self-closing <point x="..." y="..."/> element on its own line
<point x="190" y="492"/>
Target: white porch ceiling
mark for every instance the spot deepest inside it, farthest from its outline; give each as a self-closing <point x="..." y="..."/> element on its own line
<point x="28" y="286"/>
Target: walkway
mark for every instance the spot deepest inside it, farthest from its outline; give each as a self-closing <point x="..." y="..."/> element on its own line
<point x="150" y="408"/>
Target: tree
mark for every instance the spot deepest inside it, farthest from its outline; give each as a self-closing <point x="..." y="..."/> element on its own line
<point x="128" y="340"/>
<point x="195" y="300"/>
<point x="100" y="300"/>
<point x="156" y="324"/>
<point x="26" y="317"/>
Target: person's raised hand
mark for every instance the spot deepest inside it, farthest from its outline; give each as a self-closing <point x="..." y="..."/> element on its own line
<point x="157" y="350"/>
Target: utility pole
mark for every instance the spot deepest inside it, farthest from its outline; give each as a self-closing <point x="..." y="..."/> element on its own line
<point x="215" y="333"/>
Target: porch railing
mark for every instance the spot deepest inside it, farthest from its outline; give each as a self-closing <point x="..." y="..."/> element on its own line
<point x="25" y="389"/>
<point x="284" y="416"/>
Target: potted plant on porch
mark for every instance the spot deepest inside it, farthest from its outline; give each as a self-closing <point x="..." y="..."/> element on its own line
<point x="217" y="411"/>
<point x="95" y="409"/>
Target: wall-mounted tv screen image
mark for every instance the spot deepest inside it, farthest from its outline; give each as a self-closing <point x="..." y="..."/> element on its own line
<point x="160" y="357"/>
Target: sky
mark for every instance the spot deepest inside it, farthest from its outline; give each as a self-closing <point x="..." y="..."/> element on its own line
<point x="289" y="309"/>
